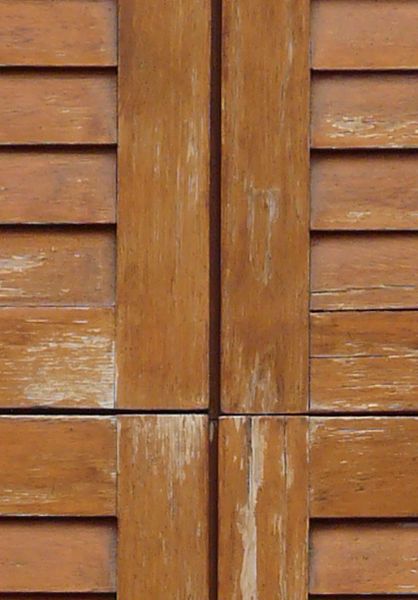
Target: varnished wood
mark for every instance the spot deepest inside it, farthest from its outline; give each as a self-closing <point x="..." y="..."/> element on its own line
<point x="365" y="111"/>
<point x="163" y="232"/>
<point x="57" y="107"/>
<point x="265" y="206"/>
<point x="53" y="357"/>
<point x="363" y="467"/>
<point x="61" y="32"/>
<point x="365" y="271"/>
<point x="163" y="507"/>
<point x="56" y="267"/>
<point x="57" y="556"/>
<point x="57" y="466"/>
<point x="42" y="186"/>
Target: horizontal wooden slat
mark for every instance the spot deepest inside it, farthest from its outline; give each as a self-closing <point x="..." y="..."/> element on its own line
<point x="57" y="466"/>
<point x="364" y="271"/>
<point x="364" y="191"/>
<point x="364" y="361"/>
<point x="56" y="107"/>
<point x="57" y="187"/>
<point x="72" y="597"/>
<point x="56" y="357"/>
<point x="365" y="111"/>
<point x="363" y="467"/>
<point x="364" y="558"/>
<point x="57" y="555"/>
<point x="364" y="34"/>
<point x="62" y="32"/>
<point x="345" y="597"/>
<point x="56" y="267"/>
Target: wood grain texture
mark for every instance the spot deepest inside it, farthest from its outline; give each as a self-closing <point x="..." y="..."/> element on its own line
<point x="364" y="271"/>
<point x="163" y="231"/>
<point x="263" y="508"/>
<point x="57" y="267"/>
<point x="66" y="597"/>
<point x="365" y="110"/>
<point x="57" y="466"/>
<point x="265" y="206"/>
<point x="163" y="507"/>
<point x="364" y="191"/>
<point x="62" y="32"/>
<point x="364" y="34"/>
<point x="41" y="186"/>
<point x="364" y="558"/>
<point x="57" y="555"/>
<point x="363" y="467"/>
<point x="57" y="358"/>
<point x="57" y="107"/>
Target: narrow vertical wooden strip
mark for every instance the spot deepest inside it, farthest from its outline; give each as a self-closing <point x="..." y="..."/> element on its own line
<point x="262" y="508"/>
<point x="163" y="224"/>
<point x="265" y="206"/>
<point x="163" y="507"/>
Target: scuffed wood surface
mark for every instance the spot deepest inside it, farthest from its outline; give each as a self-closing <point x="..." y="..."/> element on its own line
<point x="57" y="466"/>
<point x="263" y="508"/>
<point x="365" y="111"/>
<point x="365" y="271"/>
<point x="57" y="107"/>
<point x="363" y="467"/>
<point x="265" y="216"/>
<point x="57" y="357"/>
<point x="163" y="507"/>
<point x="57" y="267"/>
<point x="57" y="555"/>
<point x="364" y="34"/>
<point x="40" y="186"/>
<point x="163" y="219"/>
<point x="61" y="32"/>
<point x="364" y="191"/>
<point x="364" y="558"/>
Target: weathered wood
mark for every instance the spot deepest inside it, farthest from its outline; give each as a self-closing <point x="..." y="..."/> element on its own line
<point x="69" y="597"/>
<point x="163" y="221"/>
<point x="60" y="107"/>
<point x="265" y="206"/>
<point x="364" y="558"/>
<point x="364" y="271"/>
<point x="56" y="267"/>
<point x="40" y="186"/>
<point x="163" y="507"/>
<point x="364" y="191"/>
<point x="263" y="508"/>
<point x="365" y="110"/>
<point x="62" y="32"/>
<point x="57" y="466"/>
<point x="364" y="34"/>
<point x="57" y="555"/>
<point x="57" y="357"/>
<point x="363" y="467"/>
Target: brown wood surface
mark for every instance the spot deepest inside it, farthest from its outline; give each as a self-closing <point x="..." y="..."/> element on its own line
<point x="364" y="34"/>
<point x="265" y="206"/>
<point x="163" y="507"/>
<point x="61" y="32"/>
<point x="57" y="357"/>
<point x="365" y="110"/>
<point x="364" y="361"/>
<point x="66" y="597"/>
<point x="57" y="107"/>
<point x="363" y="467"/>
<point x="40" y="186"/>
<point x="57" y="555"/>
<point x="56" y="267"/>
<point x="364" y="191"/>
<point x="364" y="558"/>
<point x="364" y="271"/>
<point x="163" y="231"/>
<point x="262" y="508"/>
<point x="57" y="466"/>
